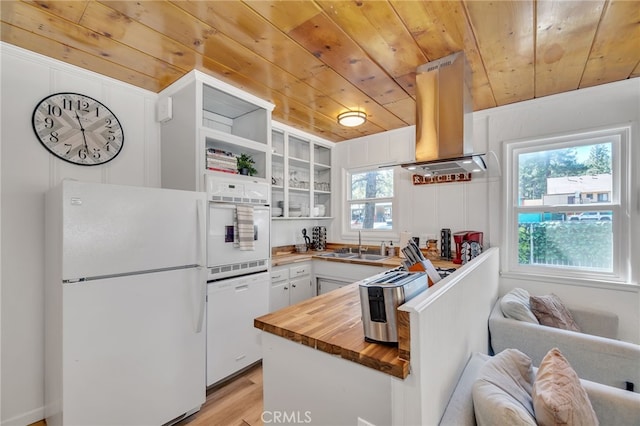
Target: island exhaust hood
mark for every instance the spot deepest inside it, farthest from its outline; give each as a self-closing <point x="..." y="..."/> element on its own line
<point x="444" y="124"/>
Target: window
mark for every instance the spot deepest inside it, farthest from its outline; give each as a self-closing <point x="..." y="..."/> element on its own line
<point x="566" y="202"/>
<point x="370" y="199"/>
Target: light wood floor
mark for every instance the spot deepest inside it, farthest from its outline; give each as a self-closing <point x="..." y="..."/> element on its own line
<point x="234" y="403"/>
<point x="237" y="402"/>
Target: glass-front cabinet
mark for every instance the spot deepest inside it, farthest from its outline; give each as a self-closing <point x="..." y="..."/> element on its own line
<point x="322" y="180"/>
<point x="300" y="176"/>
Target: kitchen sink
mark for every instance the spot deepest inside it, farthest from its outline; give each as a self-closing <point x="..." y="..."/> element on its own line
<point x="353" y="256"/>
<point x="339" y="255"/>
<point x="370" y="257"/>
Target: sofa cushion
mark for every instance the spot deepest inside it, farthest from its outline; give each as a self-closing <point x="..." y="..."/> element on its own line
<point x="550" y="311"/>
<point x="558" y="395"/>
<point x="515" y="304"/>
<point x="502" y="392"/>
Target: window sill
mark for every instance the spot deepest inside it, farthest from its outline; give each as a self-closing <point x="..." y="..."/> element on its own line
<point x="581" y="282"/>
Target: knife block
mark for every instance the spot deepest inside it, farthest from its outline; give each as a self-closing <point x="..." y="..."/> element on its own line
<point x="426" y="266"/>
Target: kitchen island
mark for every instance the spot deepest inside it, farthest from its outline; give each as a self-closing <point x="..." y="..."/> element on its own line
<point x="317" y="368"/>
<point x="332" y="323"/>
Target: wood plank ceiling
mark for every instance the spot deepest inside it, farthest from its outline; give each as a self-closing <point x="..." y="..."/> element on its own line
<point x="316" y="59"/>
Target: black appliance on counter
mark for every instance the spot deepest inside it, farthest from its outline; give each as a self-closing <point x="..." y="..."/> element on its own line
<point x="319" y="236"/>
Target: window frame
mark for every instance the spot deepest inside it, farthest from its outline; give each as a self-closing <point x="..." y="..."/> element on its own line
<point x="619" y="203"/>
<point x="370" y="234"/>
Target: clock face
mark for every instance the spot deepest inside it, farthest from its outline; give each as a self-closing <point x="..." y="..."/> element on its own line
<point x="78" y="129"/>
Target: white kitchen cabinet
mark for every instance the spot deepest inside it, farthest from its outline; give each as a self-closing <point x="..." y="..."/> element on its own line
<point x="300" y="281"/>
<point x="279" y="293"/>
<point x="203" y="118"/>
<point x="290" y="284"/>
<point x="301" y="174"/>
<point x="233" y="343"/>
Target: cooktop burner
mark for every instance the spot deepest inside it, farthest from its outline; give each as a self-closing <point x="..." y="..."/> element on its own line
<point x="445" y="272"/>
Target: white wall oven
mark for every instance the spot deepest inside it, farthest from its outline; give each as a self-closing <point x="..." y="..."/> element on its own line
<point x="238" y="227"/>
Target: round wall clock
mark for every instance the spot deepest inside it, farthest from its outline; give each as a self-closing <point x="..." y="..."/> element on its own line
<point x="78" y="129"/>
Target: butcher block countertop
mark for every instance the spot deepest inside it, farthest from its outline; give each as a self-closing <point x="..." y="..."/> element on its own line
<point x="332" y="323"/>
<point x="285" y="255"/>
<point x="285" y="259"/>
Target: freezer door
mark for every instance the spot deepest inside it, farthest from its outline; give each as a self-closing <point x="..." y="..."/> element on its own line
<point x="115" y="229"/>
<point x="132" y="353"/>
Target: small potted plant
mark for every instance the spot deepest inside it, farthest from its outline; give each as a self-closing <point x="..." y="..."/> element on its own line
<point x="245" y="165"/>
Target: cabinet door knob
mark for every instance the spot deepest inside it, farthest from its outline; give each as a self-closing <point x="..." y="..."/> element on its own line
<point x="293" y="285"/>
<point x="286" y="288"/>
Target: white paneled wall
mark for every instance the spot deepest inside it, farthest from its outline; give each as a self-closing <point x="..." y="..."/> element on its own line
<point x="288" y="232"/>
<point x="28" y="170"/>
<point x="422" y="209"/>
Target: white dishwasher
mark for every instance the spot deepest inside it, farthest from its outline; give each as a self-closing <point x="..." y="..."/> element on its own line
<point x="233" y="343"/>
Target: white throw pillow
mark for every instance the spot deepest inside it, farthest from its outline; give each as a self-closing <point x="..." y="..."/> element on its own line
<point x="502" y="391"/>
<point x="515" y="304"/>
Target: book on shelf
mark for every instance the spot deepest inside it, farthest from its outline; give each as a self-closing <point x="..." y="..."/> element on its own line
<point x="218" y="169"/>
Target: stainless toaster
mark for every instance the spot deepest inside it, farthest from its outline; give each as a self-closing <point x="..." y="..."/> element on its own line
<point x="380" y="296"/>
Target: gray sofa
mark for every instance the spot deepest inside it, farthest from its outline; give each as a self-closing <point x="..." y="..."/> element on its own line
<point x="595" y="354"/>
<point x="612" y="406"/>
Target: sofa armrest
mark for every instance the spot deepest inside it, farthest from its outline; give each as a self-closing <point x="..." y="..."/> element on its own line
<point x="599" y="359"/>
<point x="460" y="410"/>
<point x="596" y="322"/>
<point x="613" y="406"/>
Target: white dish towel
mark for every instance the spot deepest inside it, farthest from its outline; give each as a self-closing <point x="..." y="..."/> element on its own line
<point x="244" y="228"/>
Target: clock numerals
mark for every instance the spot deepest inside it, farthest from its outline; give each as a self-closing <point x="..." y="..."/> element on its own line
<point x="78" y="129"/>
<point x="79" y="105"/>
<point x="54" y="110"/>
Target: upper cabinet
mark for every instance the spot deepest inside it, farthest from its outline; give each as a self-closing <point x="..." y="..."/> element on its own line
<point x="206" y="125"/>
<point x="300" y="175"/>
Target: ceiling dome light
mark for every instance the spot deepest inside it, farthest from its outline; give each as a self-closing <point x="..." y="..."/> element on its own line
<point x="352" y="118"/>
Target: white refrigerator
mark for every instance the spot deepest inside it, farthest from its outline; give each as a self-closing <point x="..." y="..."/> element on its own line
<point x="124" y="304"/>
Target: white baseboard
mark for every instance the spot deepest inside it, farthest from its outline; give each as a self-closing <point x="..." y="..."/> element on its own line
<point x="25" y="419"/>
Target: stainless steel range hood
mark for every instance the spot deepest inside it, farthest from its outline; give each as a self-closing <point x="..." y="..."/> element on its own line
<point x="444" y="125"/>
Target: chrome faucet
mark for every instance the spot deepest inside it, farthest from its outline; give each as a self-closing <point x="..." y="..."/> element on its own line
<point x="359" y="243"/>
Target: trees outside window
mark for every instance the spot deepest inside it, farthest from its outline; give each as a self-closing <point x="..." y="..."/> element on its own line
<point x="370" y="200"/>
<point x="566" y="202"/>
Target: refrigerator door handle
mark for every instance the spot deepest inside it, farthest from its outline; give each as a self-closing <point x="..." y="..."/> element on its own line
<point x="201" y="241"/>
<point x="202" y="278"/>
<point x="201" y="233"/>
